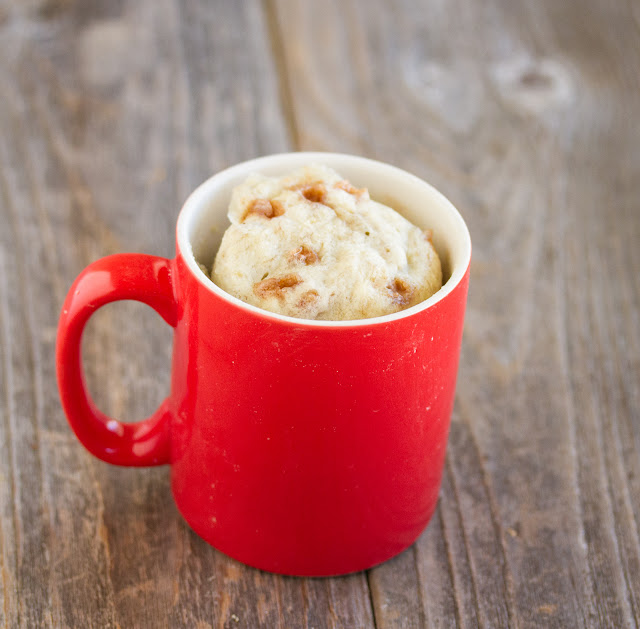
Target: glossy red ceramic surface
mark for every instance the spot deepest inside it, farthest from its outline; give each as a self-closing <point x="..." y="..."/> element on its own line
<point x="309" y="450"/>
<point x="295" y="449"/>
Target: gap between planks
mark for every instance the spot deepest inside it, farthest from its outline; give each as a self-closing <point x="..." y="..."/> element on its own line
<point x="285" y="94"/>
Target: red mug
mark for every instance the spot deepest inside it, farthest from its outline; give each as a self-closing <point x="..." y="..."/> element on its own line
<point x="299" y="447"/>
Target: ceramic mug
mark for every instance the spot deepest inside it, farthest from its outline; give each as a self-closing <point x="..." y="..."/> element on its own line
<point x="296" y="446"/>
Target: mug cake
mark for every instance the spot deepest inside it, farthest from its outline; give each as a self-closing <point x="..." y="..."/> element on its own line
<point x="311" y="245"/>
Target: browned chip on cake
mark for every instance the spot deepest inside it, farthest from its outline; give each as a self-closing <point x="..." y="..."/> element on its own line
<point x="275" y="286"/>
<point x="304" y="254"/>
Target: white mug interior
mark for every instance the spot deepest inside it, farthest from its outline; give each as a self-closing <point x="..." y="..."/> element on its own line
<point x="203" y="219"/>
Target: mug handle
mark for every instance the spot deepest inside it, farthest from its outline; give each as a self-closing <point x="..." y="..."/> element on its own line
<point x="122" y="276"/>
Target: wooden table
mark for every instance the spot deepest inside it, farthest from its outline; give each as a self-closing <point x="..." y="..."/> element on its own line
<point x="526" y="114"/>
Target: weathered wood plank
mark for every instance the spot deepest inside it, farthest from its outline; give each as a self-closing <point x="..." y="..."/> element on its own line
<point x="111" y="113"/>
<point x="39" y="559"/>
<point x="449" y="592"/>
<point x="340" y="603"/>
<point x="524" y="115"/>
<point x="8" y="513"/>
<point x="394" y="595"/>
<point x="116" y="111"/>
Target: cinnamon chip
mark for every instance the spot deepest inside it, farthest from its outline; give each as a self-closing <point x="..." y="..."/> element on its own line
<point x="428" y="235"/>
<point x="315" y="192"/>
<point x="401" y="292"/>
<point x="348" y="187"/>
<point x="266" y="208"/>
<point x="277" y="207"/>
<point x="304" y="254"/>
<point x="275" y="286"/>
<point x="308" y="298"/>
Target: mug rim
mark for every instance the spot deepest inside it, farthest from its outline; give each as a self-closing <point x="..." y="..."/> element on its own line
<point x="202" y="195"/>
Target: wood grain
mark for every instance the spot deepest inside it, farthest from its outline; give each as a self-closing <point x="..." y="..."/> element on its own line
<point x="524" y="114"/>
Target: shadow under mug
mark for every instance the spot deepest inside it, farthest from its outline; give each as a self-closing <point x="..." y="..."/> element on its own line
<point x="299" y="447"/>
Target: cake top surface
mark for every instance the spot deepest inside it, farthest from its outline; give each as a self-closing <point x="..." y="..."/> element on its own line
<point x="312" y="245"/>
